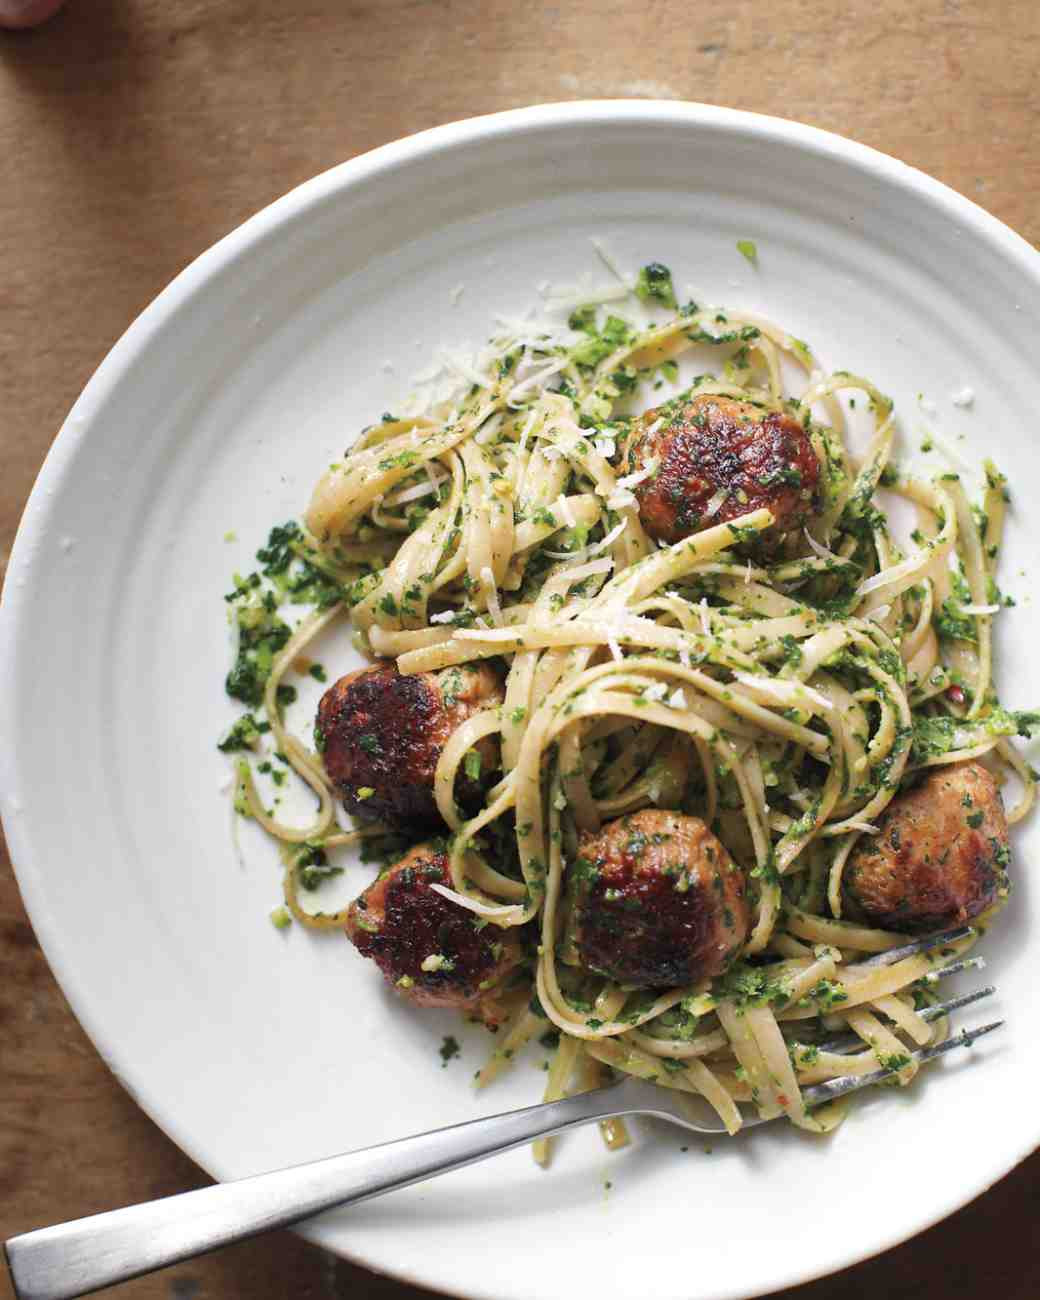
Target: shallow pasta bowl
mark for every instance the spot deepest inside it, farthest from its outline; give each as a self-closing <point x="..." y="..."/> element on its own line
<point x="210" y="420"/>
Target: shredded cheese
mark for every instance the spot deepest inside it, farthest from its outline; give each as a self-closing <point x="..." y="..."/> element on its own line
<point x="705" y="617"/>
<point x="412" y="493"/>
<point x="821" y="552"/>
<point x="525" y="432"/>
<point x="587" y="552"/>
<point x="716" y="502"/>
<point x="491" y="595"/>
<point x="612" y="266"/>
<point x="784" y="692"/>
<point x="640" y="476"/>
<point x="474" y="905"/>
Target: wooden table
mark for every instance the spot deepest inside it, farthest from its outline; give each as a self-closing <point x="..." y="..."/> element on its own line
<point x="133" y="133"/>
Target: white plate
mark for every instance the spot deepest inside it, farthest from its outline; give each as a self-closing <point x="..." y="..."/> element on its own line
<point x="217" y="411"/>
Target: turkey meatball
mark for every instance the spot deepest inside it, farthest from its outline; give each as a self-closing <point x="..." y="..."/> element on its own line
<point x="657" y="901"/>
<point x="431" y="950"/>
<point x="381" y="733"/>
<point x="939" y="857"/>
<point x="717" y="459"/>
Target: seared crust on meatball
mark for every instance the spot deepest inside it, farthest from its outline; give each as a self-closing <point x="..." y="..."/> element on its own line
<point x="939" y="857"/>
<point x="430" y="949"/>
<point x="381" y="733"/>
<point x="712" y="444"/>
<point x="658" y="901"/>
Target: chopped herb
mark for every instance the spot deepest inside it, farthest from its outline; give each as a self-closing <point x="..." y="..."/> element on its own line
<point x="261" y="634"/>
<point x="276" y="556"/>
<point x="244" y="734"/>
<point x="655" y="282"/>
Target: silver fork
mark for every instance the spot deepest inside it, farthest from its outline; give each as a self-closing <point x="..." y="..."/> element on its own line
<point x="75" y="1258"/>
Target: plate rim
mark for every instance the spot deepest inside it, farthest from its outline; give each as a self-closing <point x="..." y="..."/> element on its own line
<point x="134" y="342"/>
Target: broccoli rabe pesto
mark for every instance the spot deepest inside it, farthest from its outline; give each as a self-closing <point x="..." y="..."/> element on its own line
<point x="285" y="577"/>
<point x="941" y="733"/>
<point x="655" y="282"/>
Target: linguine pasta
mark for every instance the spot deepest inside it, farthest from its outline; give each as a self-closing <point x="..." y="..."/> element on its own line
<point x="782" y="699"/>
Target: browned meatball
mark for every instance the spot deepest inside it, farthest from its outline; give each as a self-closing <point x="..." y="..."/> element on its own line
<point x="939" y="857"/>
<point x="711" y="444"/>
<point x="431" y="950"/>
<point x="381" y="732"/>
<point x="658" y="901"/>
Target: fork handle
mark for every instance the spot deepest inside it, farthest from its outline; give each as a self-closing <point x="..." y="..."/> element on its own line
<point x="75" y="1258"/>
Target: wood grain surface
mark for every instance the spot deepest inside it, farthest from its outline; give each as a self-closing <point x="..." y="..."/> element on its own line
<point x="134" y="133"/>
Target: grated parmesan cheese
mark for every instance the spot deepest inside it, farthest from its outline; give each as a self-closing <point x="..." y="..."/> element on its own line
<point x="715" y="504"/>
<point x="525" y="432"/>
<point x="413" y="493"/>
<point x="608" y="261"/>
<point x="491" y="595"/>
<point x="463" y="367"/>
<point x="820" y="551"/>
<point x="588" y="551"/>
<point x="784" y="692"/>
<point x="536" y="380"/>
<point x="640" y="476"/>
<point x="474" y="905"/>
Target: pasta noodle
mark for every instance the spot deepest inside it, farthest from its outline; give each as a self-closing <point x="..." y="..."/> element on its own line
<point x="782" y="694"/>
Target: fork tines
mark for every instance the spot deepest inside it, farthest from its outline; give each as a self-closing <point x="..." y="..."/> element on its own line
<point x="928" y="941"/>
<point x="848" y="1041"/>
<point x="819" y="1093"/>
